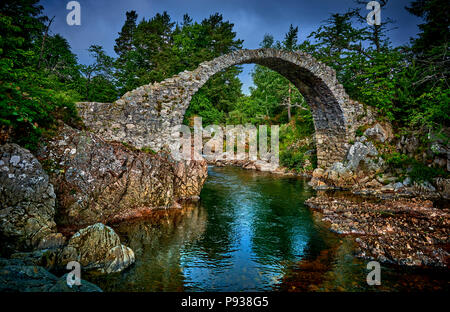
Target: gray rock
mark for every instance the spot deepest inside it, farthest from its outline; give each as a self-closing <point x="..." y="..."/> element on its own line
<point x="361" y="139"/>
<point x="356" y="154"/>
<point x="375" y="165"/>
<point x="97" y="247"/>
<point x="407" y="181"/>
<point x="99" y="181"/>
<point x="377" y="132"/>
<point x="398" y="186"/>
<point x="339" y="167"/>
<point x="388" y="187"/>
<point x="27" y="200"/>
<point x="372" y="149"/>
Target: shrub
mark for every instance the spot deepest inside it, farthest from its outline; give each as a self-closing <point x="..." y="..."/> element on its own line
<point x="292" y="159"/>
<point x="417" y="171"/>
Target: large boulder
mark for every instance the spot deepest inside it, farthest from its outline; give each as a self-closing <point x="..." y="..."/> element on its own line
<point x="99" y="181"/>
<point x="27" y="202"/>
<point x="97" y="247"/>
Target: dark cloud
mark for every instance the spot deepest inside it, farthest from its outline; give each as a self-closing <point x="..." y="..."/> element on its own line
<point x="102" y="19"/>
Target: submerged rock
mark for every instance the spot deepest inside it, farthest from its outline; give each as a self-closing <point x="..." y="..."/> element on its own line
<point x="27" y="202"/>
<point x="97" y="247"/>
<point x="402" y="231"/>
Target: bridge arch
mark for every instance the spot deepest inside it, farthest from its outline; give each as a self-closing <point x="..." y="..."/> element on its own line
<point x="145" y="116"/>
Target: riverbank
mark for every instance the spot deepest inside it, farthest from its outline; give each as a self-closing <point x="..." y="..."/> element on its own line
<point x="403" y="231"/>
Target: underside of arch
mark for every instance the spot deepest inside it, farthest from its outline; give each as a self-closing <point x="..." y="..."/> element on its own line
<point x="145" y="116"/>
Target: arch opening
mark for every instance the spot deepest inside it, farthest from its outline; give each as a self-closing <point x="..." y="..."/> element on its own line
<point x="145" y="117"/>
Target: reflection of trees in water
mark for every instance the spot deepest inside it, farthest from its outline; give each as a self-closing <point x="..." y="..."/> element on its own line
<point x="272" y="237"/>
<point x="217" y="195"/>
<point x="282" y="226"/>
<point x="164" y="227"/>
<point x="157" y="241"/>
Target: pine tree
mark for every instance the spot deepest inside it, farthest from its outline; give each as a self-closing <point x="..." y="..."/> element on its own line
<point x="124" y="43"/>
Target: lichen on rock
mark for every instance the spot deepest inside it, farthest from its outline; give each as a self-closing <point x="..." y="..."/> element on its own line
<point x="99" y="181"/>
<point x="27" y="202"/>
<point x="97" y="247"/>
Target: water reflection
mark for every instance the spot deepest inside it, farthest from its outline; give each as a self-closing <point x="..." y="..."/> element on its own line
<point x="157" y="242"/>
<point x="250" y="231"/>
<point x="245" y="232"/>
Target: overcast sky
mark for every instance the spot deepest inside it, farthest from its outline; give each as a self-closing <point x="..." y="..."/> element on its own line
<point x="101" y="20"/>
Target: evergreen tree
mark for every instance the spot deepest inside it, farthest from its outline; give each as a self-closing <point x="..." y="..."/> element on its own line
<point x="32" y="99"/>
<point x="435" y="30"/>
<point x="99" y="77"/>
<point x="273" y="91"/>
<point x="124" y="43"/>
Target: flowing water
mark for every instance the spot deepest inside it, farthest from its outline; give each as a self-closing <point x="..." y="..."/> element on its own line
<point x="250" y="232"/>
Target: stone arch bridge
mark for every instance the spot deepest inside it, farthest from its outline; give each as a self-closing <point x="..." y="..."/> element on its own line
<point x="145" y="116"/>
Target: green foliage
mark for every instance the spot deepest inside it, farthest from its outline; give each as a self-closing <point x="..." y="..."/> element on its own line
<point x="292" y="159"/>
<point x="34" y="92"/>
<point x="201" y="106"/>
<point x="417" y="171"/>
<point x="296" y="144"/>
<point x="156" y="49"/>
<point x="359" y="132"/>
<point x="420" y="172"/>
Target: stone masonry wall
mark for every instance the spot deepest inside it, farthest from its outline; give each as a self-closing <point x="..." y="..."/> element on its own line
<point x="146" y="116"/>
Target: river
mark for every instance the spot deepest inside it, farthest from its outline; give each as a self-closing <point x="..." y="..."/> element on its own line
<point x="250" y="232"/>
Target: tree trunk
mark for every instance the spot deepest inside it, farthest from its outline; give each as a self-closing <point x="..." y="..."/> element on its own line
<point x="289" y="103"/>
<point x="377" y="37"/>
<point x="43" y="42"/>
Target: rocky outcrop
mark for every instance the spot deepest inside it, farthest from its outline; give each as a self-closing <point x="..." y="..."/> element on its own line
<point x="99" y="181"/>
<point x="360" y="166"/>
<point x="97" y="247"/>
<point x="189" y="177"/>
<point x="27" y="202"/>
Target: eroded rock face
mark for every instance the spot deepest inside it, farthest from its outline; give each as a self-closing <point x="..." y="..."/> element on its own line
<point x="27" y="202"/>
<point x="443" y="186"/>
<point x="99" y="181"/>
<point x="97" y="247"/>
